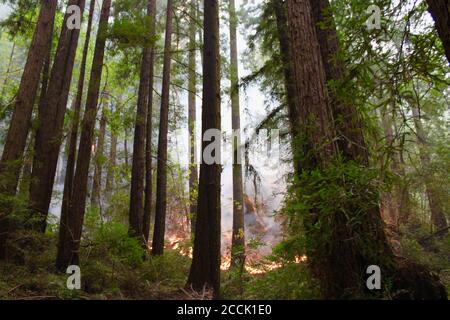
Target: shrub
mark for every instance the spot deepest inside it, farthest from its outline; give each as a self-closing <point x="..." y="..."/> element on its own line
<point x="171" y="269"/>
<point x="112" y="244"/>
<point x="290" y="282"/>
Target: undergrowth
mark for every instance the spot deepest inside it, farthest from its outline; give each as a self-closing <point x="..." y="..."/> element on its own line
<point x="113" y="266"/>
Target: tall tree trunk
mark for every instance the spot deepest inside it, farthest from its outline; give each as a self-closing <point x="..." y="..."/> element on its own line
<point x="161" y="180"/>
<point x="16" y="138"/>
<point x="315" y="117"/>
<point x="45" y="76"/>
<point x="23" y="107"/>
<point x="318" y="150"/>
<point x="136" y="214"/>
<point x="148" y="139"/>
<point x="434" y="200"/>
<point x="199" y="30"/>
<point x="98" y="159"/>
<point x="285" y="51"/>
<point x="440" y="11"/>
<point x="192" y="111"/>
<point x="205" y="268"/>
<point x="238" y="233"/>
<point x="73" y="135"/>
<point x="25" y="183"/>
<point x="51" y="120"/>
<point x="69" y="241"/>
<point x="346" y="116"/>
<point x="350" y="246"/>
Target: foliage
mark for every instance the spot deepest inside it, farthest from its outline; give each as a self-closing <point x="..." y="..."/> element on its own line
<point x="319" y="195"/>
<point x="290" y="282"/>
<point x="113" y="267"/>
<point x="111" y="242"/>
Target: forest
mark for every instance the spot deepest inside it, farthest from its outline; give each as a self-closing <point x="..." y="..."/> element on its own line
<point x="234" y="149"/>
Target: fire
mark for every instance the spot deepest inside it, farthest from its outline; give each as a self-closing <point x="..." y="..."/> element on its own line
<point x="254" y="265"/>
<point x="175" y="243"/>
<point x="225" y="263"/>
<point x="263" y="268"/>
<point x="300" y="259"/>
<point x="251" y="267"/>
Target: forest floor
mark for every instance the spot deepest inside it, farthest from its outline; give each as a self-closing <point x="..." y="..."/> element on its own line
<point x="112" y="268"/>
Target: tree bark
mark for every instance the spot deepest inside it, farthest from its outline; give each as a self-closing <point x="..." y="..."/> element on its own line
<point x="205" y="268"/>
<point x="315" y="117"/>
<point x="440" y="11"/>
<point x="148" y="140"/>
<point x="347" y="120"/>
<point x="318" y="149"/>
<point x="16" y="138"/>
<point x="98" y="159"/>
<point x="139" y="156"/>
<point x="49" y="134"/>
<point x="350" y="247"/>
<point x="346" y="116"/>
<point x="192" y="111"/>
<point x="69" y="241"/>
<point x="25" y="182"/>
<point x="161" y="180"/>
<point x="238" y="233"/>
<point x="286" y="58"/>
<point x="73" y="135"/>
<point x="23" y="107"/>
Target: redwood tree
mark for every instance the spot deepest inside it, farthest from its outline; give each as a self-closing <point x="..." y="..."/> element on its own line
<point x="49" y="134"/>
<point x="318" y="149"/>
<point x="16" y="137"/>
<point x="192" y="111"/>
<point x="138" y="164"/>
<point x="148" y="140"/>
<point x="23" y="105"/>
<point x="161" y="179"/>
<point x="69" y="238"/>
<point x="238" y="234"/>
<point x="73" y="135"/>
<point x="286" y="60"/>
<point x="345" y="114"/>
<point x="205" y="268"/>
<point x="349" y="247"/>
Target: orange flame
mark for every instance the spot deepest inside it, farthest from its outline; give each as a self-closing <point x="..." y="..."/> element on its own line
<point x="253" y="266"/>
